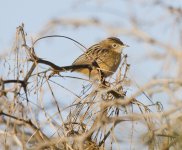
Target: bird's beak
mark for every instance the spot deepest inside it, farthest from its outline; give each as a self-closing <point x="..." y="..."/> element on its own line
<point x="125" y="45"/>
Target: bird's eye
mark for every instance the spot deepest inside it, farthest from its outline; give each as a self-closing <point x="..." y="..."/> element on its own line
<point x="114" y="45"/>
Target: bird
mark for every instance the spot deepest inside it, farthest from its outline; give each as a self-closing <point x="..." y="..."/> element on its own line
<point x="106" y="55"/>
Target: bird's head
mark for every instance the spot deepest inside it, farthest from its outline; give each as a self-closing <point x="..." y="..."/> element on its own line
<point x="114" y="44"/>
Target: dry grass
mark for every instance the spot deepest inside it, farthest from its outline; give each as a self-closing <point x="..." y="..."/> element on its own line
<point x="102" y="116"/>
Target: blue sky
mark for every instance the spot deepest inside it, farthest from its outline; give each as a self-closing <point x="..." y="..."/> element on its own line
<point x="36" y="13"/>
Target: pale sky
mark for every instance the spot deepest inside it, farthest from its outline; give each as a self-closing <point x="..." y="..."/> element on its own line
<point x="36" y="13"/>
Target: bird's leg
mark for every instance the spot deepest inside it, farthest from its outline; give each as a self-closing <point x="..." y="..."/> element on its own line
<point x="100" y="72"/>
<point x="102" y="78"/>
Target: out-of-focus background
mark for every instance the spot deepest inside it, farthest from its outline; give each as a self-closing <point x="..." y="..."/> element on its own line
<point x="90" y="21"/>
<point x="152" y="29"/>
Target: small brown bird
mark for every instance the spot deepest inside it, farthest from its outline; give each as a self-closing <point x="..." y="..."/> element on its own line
<point x="106" y="54"/>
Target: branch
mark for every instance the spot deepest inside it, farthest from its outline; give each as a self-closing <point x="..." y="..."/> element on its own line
<point x="39" y="134"/>
<point x="64" y="68"/>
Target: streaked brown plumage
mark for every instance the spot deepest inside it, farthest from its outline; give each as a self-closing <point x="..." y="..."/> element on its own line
<point x="107" y="55"/>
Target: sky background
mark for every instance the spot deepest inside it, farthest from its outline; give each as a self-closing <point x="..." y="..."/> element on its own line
<point x="36" y="14"/>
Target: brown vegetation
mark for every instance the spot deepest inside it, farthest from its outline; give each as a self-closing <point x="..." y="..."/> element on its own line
<point x="96" y="118"/>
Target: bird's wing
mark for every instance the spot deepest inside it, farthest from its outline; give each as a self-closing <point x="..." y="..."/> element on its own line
<point x="89" y="56"/>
